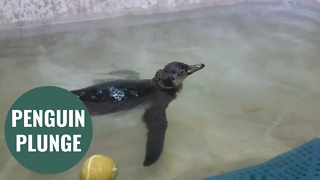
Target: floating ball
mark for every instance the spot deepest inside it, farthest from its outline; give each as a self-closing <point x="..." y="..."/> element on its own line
<point x="98" y="167"/>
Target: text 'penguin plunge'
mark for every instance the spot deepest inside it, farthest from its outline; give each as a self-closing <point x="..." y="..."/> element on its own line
<point x="50" y="119"/>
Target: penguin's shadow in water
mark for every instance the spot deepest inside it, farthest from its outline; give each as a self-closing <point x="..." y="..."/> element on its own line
<point x="120" y="74"/>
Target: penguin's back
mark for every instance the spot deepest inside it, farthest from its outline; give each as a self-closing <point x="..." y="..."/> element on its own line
<point x="115" y="96"/>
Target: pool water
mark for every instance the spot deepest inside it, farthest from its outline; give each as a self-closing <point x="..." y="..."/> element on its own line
<point x="257" y="97"/>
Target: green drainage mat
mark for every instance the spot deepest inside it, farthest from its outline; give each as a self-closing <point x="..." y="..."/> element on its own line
<point x="301" y="163"/>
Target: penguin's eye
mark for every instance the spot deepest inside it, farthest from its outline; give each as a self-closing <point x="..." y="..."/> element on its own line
<point x="181" y="71"/>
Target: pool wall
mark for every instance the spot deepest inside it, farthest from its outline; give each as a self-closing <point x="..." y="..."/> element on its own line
<point x="28" y="13"/>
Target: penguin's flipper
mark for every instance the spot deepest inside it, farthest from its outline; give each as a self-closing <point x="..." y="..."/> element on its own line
<point x="156" y="122"/>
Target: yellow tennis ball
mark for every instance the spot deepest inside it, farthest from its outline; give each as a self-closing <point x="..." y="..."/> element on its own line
<point x="98" y="167"/>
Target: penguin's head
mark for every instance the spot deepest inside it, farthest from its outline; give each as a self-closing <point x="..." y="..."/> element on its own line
<point x="172" y="75"/>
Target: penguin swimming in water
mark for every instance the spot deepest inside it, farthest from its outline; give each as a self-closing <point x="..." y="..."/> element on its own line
<point x="157" y="93"/>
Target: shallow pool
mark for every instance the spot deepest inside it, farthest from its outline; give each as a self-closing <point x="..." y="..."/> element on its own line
<point x="258" y="96"/>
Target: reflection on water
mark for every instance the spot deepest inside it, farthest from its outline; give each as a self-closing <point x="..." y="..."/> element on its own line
<point x="257" y="97"/>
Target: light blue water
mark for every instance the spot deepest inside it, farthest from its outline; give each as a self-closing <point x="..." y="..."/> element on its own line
<point x="258" y="96"/>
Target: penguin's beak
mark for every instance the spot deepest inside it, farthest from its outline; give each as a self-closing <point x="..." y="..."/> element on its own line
<point x="194" y="68"/>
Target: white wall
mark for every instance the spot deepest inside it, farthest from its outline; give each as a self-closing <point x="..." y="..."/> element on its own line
<point x="25" y="13"/>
